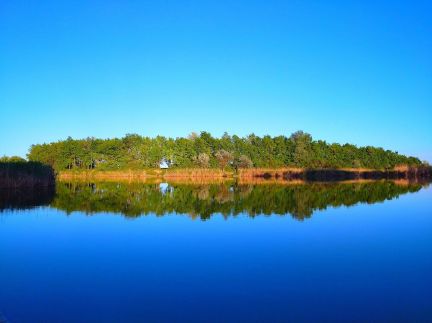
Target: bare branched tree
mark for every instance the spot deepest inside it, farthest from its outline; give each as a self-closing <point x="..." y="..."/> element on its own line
<point x="224" y="158"/>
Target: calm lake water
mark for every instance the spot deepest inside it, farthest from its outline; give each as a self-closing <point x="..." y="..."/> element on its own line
<point x="117" y="252"/>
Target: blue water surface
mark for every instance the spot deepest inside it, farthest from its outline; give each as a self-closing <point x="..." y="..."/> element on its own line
<point x="368" y="262"/>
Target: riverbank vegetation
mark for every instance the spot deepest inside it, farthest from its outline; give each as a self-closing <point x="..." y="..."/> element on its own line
<point x="16" y="172"/>
<point x="228" y="153"/>
<point x="193" y="175"/>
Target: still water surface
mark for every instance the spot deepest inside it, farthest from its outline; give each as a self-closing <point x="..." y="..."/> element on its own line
<point x="117" y="252"/>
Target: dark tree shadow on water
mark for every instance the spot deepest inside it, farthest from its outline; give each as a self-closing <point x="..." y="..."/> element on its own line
<point x="25" y="198"/>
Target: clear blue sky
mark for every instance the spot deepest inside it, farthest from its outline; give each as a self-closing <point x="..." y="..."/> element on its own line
<point x="344" y="71"/>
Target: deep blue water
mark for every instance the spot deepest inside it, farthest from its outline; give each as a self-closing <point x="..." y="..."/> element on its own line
<point x="367" y="262"/>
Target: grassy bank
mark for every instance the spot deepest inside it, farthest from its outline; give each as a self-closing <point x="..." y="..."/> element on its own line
<point x="292" y="174"/>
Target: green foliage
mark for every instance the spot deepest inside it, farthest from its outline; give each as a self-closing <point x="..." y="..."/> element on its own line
<point x="12" y="159"/>
<point x="203" y="150"/>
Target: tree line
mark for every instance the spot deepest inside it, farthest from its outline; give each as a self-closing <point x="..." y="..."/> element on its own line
<point x="205" y="151"/>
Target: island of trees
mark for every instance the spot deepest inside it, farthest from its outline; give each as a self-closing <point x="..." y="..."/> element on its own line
<point x="202" y="150"/>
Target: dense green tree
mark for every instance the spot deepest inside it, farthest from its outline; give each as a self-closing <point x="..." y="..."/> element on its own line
<point x="137" y="152"/>
<point x="302" y="151"/>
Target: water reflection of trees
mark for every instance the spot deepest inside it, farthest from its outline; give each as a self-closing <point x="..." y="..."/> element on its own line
<point x="25" y="197"/>
<point x="299" y="200"/>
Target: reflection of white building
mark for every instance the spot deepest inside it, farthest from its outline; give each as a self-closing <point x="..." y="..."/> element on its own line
<point x="165" y="188"/>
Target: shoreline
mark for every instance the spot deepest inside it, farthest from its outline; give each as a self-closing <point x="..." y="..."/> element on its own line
<point x="250" y="175"/>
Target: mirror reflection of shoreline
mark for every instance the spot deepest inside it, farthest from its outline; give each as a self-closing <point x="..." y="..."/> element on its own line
<point x="132" y="200"/>
<point x="26" y="197"/>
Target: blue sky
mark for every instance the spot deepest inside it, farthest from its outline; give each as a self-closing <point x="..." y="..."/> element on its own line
<point x="358" y="72"/>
